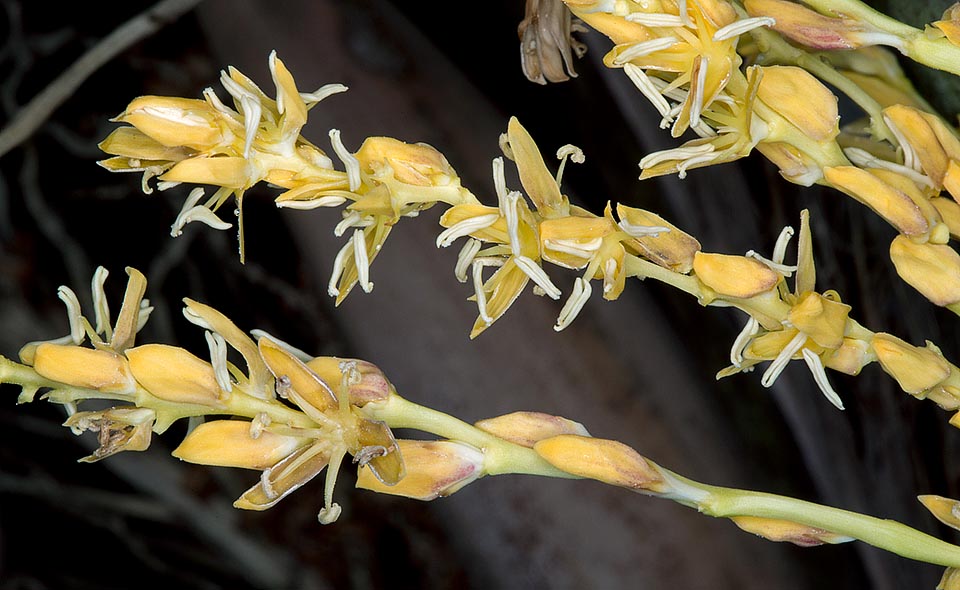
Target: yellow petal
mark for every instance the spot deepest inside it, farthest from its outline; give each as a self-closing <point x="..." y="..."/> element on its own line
<point x="414" y="164"/>
<point x="932" y="269"/>
<point x="734" y="276"/>
<point x="537" y="181"/>
<point x="527" y="428"/>
<point x="893" y="205"/>
<point x="949" y="212"/>
<point x="227" y="443"/>
<point x="378" y="452"/>
<point x="946" y="510"/>
<point x="951" y="576"/>
<point x="286" y="476"/>
<point x="103" y="370"/>
<point x="794" y="165"/>
<point x="175" y="121"/>
<point x="608" y="461"/>
<point x="801" y="99"/>
<point x="133" y="143"/>
<point x="227" y="172"/>
<point x="768" y="346"/>
<point x="915" y="369"/>
<point x="806" y="277"/>
<point x="289" y="104"/>
<point x="173" y="374"/>
<point x="560" y="237"/>
<point x="128" y="320"/>
<point x="820" y="318"/>
<point x="929" y="137"/>
<point x="673" y="250"/>
<point x="806" y="26"/>
<point x="495" y="233"/>
<point x="434" y="469"/>
<point x="850" y="358"/>
<point x="774" y="529"/>
<point x="502" y="289"/>
<point x="951" y="180"/>
<point x="373" y="385"/>
<point x="296" y="380"/>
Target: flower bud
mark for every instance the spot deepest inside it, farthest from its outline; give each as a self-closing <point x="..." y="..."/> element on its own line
<point x="173" y="374"/>
<point x="806" y="26"/>
<point x="932" y="269"/>
<point x="946" y="510"/>
<point x="608" y="461"/>
<point x="673" y="250"/>
<point x="778" y="530"/>
<point x="734" y="276"/>
<point x="103" y="370"/>
<point x="175" y="121"/>
<point x="433" y="469"/>
<point x="373" y="385"/>
<point x="798" y="97"/>
<point x="119" y="429"/>
<point x="821" y="319"/>
<point x="527" y="428"/>
<point x="229" y="172"/>
<point x="228" y="443"/>
<point x="897" y="207"/>
<point x="917" y="370"/>
<point x="415" y="164"/>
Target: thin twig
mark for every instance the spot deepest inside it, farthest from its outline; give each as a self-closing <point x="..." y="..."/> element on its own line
<point x="42" y="106"/>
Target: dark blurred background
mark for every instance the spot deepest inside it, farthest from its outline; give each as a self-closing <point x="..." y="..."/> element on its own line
<point x="639" y="370"/>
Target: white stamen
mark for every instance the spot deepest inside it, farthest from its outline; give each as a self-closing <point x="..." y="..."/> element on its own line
<point x="235" y="89"/>
<point x="609" y="274"/>
<point x="684" y="15"/>
<point x="693" y="162"/>
<point x="350" y="162"/>
<point x="737" y="28"/>
<point x="749" y="330"/>
<point x="281" y="97"/>
<point x="166" y="185"/>
<point x="783" y="240"/>
<point x="464" y="228"/>
<point x="703" y="130"/>
<point x="910" y="157"/>
<point x="697" y="83"/>
<point x="350" y="219"/>
<point x="191" y="212"/>
<point x="784" y="269"/>
<point x="478" y="265"/>
<point x="214" y="101"/>
<point x="327" y="201"/>
<point x="338" y="270"/>
<point x="575" y="247"/>
<point x="655" y="19"/>
<point x="504" y="142"/>
<point x="780" y="363"/>
<point x="361" y="260"/>
<point x="499" y="181"/>
<point x="312" y="98"/>
<point x="568" y="151"/>
<point x="465" y="258"/>
<point x="74" y="316"/>
<point x="641" y="231"/>
<point x="644" y="48"/>
<point x="303" y="356"/>
<point x="259" y="422"/>
<point x="329" y="514"/>
<point x="174" y="115"/>
<point x="143" y="314"/>
<point x="680" y="153"/>
<point x="252" y="111"/>
<point x="218" y="359"/>
<point x="268" y="490"/>
<point x="865" y="159"/>
<point x="537" y="275"/>
<point x="571" y="309"/>
<point x="646" y="87"/>
<point x="668" y="89"/>
<point x="820" y="377"/>
<point x="508" y="208"/>
<point x="100" y="307"/>
<point x="196" y="319"/>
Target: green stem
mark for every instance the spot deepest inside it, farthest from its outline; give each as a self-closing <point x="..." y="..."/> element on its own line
<point x="500" y="456"/>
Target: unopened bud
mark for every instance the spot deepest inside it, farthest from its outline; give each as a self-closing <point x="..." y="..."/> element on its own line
<point x="527" y="428"/>
<point x="229" y="443"/>
<point x="175" y="121"/>
<point x="372" y="387"/>
<point x="808" y="27"/>
<point x="102" y="370"/>
<point x="798" y="97"/>
<point x="734" y="276"/>
<point x="821" y="319"/>
<point x="673" y="250"/>
<point x="932" y="269"/>
<point x="229" y="172"/>
<point x="604" y="460"/>
<point x="173" y="374"/>
<point x="917" y="370"/>
<point x="414" y="164"/>
<point x="433" y="469"/>
<point x="778" y="530"/>
<point x="897" y="207"/>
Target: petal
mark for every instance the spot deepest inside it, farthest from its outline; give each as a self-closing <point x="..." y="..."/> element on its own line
<point x="528" y="428"/>
<point x="228" y="443"/>
<point x="103" y="370"/>
<point x="279" y="481"/>
<point x="434" y="469"/>
<point x="734" y="276"/>
<point x="175" y="375"/>
<point x="537" y="181"/>
<point x="296" y="380"/>
<point x="133" y="143"/>
<point x="673" y="250"/>
<point x="496" y="233"/>
<point x="387" y="462"/>
<point x="225" y="171"/>
<point x="502" y="289"/>
<point x="608" y="461"/>
<point x="800" y="98"/>
<point x="823" y="320"/>
<point x="289" y="103"/>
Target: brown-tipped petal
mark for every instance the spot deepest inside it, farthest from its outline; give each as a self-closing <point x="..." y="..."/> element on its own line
<point x="850" y="358"/>
<point x="893" y="205"/>
<point x="378" y="451"/>
<point x="373" y="385"/>
<point x="227" y="171"/>
<point x="734" y="276"/>
<point x="433" y="469"/>
<point x="784" y="530"/>
<point x="820" y="318"/>
<point x="128" y="320"/>
<point x="102" y="370"/>
<point x="608" y="461"/>
<point x="173" y="374"/>
<point x="916" y="369"/>
<point x="215" y="321"/>
<point x="119" y="429"/>
<point x="175" y="121"/>
<point x="806" y="26"/>
<point x="537" y="181"/>
<point x="528" y="428"/>
<point x="932" y="269"/>
<point x="801" y="99"/>
<point x="673" y="250"/>
<point x="292" y="374"/>
<point x="228" y="443"/>
<point x="946" y="510"/>
<point x="416" y="164"/>
<point x="279" y="481"/>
